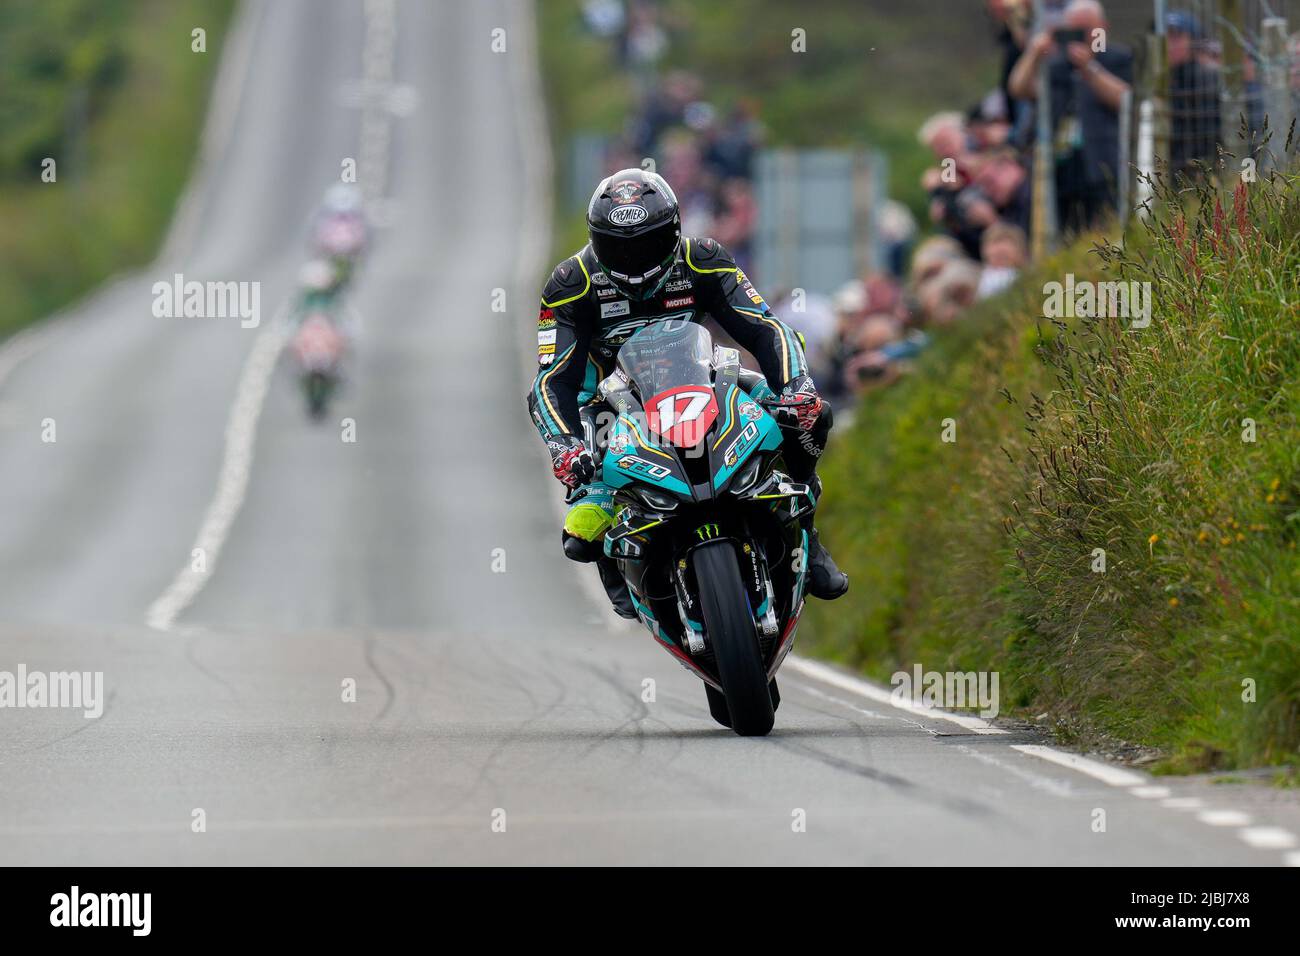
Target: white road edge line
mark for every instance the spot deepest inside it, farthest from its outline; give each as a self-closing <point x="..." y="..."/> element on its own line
<point x="232" y="483"/>
<point x="1137" y="784"/>
<point x="1113" y="776"/>
<point x="255" y="379"/>
<point x="828" y="675"/>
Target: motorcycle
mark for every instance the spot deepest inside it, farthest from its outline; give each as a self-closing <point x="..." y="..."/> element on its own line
<point x="707" y="530"/>
<point x="318" y="347"/>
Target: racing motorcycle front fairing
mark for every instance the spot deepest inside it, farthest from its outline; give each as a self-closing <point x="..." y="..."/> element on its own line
<point x="693" y="459"/>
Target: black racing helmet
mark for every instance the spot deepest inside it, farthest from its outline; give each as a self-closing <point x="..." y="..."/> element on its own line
<point x="635" y="228"/>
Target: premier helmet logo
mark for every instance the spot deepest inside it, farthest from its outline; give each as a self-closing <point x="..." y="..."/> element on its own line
<point x="628" y="215"/>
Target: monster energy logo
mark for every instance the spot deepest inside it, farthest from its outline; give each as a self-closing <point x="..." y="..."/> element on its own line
<point x="707" y="531"/>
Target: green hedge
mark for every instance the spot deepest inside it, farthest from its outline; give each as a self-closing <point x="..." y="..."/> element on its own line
<point x="1076" y="435"/>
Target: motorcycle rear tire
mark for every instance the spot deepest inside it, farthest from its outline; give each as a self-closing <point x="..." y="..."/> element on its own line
<point x="318" y="387"/>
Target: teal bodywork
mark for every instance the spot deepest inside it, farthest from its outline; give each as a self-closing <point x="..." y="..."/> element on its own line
<point x="633" y="454"/>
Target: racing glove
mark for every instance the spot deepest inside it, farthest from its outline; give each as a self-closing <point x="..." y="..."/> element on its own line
<point x="571" y="461"/>
<point x="798" y="405"/>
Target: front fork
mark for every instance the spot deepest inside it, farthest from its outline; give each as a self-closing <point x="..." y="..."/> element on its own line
<point x="758" y="589"/>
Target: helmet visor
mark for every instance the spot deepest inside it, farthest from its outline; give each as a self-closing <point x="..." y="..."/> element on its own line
<point x="636" y="259"/>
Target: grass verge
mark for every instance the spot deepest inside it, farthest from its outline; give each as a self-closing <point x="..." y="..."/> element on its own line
<point x="122" y="169"/>
<point x="1172" y="449"/>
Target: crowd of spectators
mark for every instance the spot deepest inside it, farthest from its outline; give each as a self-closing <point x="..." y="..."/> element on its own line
<point x="980" y="189"/>
<point x="706" y="153"/>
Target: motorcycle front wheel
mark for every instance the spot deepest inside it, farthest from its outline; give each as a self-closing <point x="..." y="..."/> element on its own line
<point x="729" y="626"/>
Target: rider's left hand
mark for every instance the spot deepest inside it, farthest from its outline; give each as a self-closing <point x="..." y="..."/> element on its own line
<point x="798" y="405"/>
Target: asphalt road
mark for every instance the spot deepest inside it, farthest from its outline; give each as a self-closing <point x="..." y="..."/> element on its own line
<point x="482" y="696"/>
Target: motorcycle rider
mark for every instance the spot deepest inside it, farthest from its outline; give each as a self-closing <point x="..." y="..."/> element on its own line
<point x="637" y="269"/>
<point x="319" y="284"/>
<point x="340" y="232"/>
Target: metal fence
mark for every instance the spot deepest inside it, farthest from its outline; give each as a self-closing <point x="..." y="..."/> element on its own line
<point x="1223" y="74"/>
<point x="1216" y="84"/>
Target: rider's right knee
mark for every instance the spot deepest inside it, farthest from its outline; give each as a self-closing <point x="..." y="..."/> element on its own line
<point x="576" y="549"/>
<point x="584" y="528"/>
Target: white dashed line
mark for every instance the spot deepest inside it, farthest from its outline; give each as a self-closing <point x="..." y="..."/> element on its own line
<point x="1224" y="818"/>
<point x="1268" y="838"/>
<point x="1151" y="793"/>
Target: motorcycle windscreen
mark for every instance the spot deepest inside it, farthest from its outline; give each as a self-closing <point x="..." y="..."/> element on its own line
<point x="671" y="362"/>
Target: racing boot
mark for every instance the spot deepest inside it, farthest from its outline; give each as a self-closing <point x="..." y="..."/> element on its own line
<point x="825" y="579"/>
<point x="616" y="588"/>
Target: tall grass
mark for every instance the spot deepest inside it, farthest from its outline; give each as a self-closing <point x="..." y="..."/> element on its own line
<point x="1084" y="439"/>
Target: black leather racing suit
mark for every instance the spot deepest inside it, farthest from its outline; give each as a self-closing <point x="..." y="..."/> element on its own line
<point x="584" y="320"/>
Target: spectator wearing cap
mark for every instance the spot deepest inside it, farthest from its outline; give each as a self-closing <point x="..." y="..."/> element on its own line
<point x="987" y="122"/>
<point x="1087" y="82"/>
<point x="1195" y="88"/>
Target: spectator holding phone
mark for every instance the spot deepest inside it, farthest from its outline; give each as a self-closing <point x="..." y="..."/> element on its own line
<point x="1087" y="79"/>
